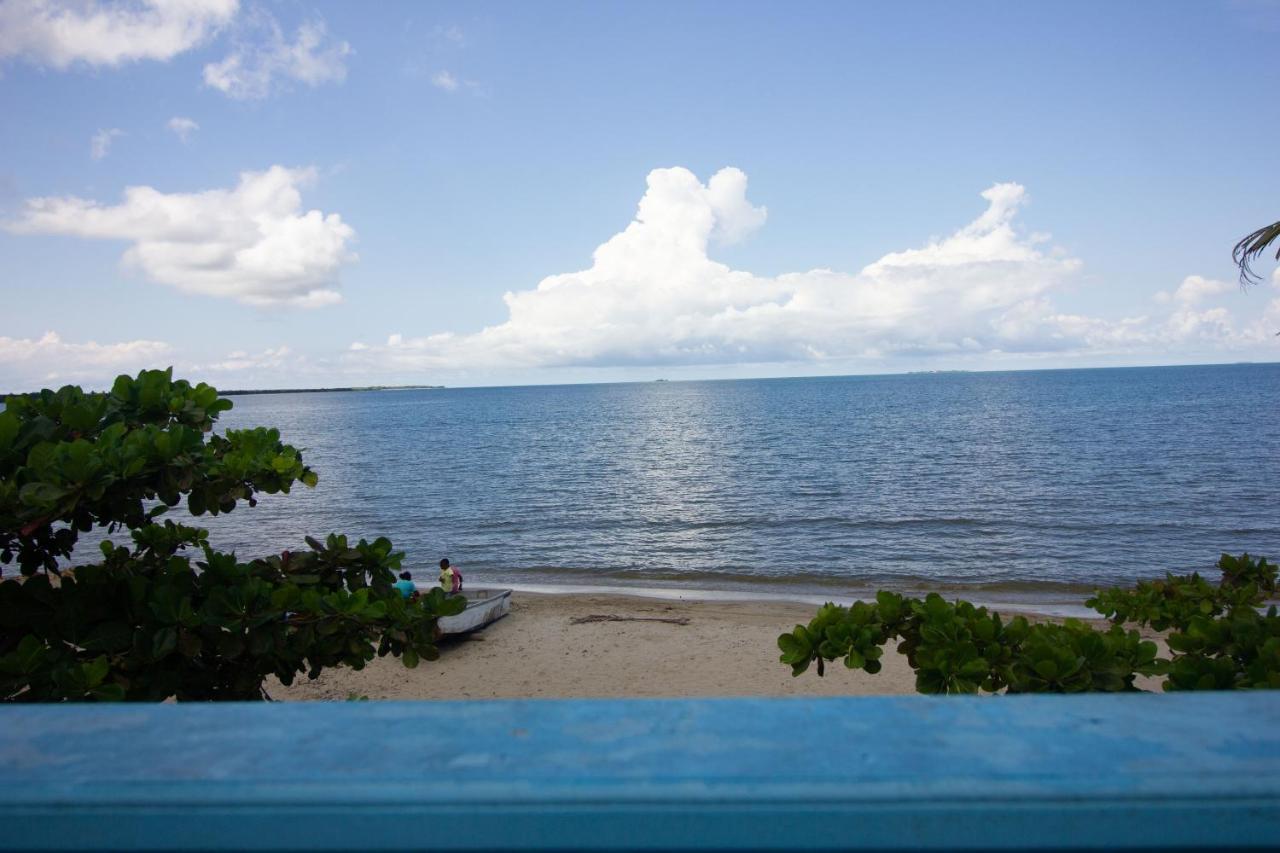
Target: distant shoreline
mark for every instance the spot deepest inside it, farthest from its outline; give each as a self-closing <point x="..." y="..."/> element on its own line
<point x="246" y="392"/>
<point x="915" y="374"/>
<point x="665" y="380"/>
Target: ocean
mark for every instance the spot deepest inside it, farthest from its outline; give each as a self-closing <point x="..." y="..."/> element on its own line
<point x="1006" y="487"/>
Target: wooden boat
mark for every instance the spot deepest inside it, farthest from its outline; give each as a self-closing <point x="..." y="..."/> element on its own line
<point x="484" y="606"/>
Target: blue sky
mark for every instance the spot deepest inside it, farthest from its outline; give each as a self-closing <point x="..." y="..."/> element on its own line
<point x="812" y="177"/>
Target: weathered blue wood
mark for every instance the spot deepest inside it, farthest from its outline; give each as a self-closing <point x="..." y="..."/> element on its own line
<point x="1153" y="771"/>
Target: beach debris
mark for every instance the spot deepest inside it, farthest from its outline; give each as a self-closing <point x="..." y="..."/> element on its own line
<point x="613" y="617"/>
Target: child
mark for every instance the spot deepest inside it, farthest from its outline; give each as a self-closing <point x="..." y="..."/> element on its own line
<point x="406" y="585"/>
<point x="450" y="578"/>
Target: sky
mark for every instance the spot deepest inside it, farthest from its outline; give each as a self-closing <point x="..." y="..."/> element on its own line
<point x="305" y="194"/>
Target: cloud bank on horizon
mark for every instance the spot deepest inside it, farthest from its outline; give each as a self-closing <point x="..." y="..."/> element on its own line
<point x="51" y="360"/>
<point x="654" y="296"/>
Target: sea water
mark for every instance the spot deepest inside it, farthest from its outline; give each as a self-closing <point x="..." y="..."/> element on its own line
<point x="1017" y="485"/>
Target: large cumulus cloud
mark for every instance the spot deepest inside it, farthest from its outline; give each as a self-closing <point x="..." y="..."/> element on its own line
<point x="653" y="295"/>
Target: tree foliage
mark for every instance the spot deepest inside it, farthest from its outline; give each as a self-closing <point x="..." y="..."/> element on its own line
<point x="167" y="615"/>
<point x="1253" y="247"/>
<point x="1217" y="635"/>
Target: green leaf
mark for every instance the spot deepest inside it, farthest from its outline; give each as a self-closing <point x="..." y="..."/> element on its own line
<point x="109" y="693"/>
<point x="1046" y="669"/>
<point x="163" y="642"/>
<point x="95" y="671"/>
<point x="108" y="637"/>
<point x="793" y="649"/>
<point x="9" y="426"/>
<point x="41" y="495"/>
<point x="27" y="657"/>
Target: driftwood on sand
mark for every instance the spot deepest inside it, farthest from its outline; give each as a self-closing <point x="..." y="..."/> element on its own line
<point x="612" y="617"/>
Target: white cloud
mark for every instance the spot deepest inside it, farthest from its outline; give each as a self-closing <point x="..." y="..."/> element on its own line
<point x="271" y="358"/>
<point x="736" y="219"/>
<point x="182" y="126"/>
<point x="100" y="144"/>
<point x="452" y="34"/>
<point x="654" y="296"/>
<point x="444" y="80"/>
<point x="25" y="362"/>
<point x="1196" y="289"/>
<point x="447" y="81"/>
<point x="253" y="243"/>
<point x="257" y="64"/>
<point x="59" y="34"/>
<point x="1267" y="327"/>
<point x="272" y="367"/>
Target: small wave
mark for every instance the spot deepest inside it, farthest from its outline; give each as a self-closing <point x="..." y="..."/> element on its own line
<point x="1041" y="606"/>
<point x="1013" y="523"/>
<point x="810" y="583"/>
<point x="819" y="521"/>
<point x="1064" y="588"/>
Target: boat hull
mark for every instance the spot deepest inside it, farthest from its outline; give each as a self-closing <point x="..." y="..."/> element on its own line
<point x="484" y="606"/>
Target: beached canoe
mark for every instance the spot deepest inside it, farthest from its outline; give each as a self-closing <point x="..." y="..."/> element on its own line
<point x="484" y="606"/>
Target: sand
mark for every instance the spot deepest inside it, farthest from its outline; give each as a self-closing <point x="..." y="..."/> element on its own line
<point x="539" y="650"/>
<point x="559" y="646"/>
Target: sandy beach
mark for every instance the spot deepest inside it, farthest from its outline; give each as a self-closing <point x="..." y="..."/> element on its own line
<point x="611" y="645"/>
<point x="559" y="646"/>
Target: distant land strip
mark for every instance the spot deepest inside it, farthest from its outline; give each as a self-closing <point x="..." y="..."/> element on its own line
<point x="242" y="392"/>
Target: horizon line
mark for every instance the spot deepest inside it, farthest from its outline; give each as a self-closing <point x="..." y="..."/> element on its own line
<point x="661" y="379"/>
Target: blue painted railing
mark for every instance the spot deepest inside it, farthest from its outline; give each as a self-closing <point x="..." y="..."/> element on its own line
<point x="1138" y="771"/>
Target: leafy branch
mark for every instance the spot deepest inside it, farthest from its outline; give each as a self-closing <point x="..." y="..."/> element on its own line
<point x="1218" y="637"/>
<point x="1253" y="247"/>
<point x="168" y="615"/>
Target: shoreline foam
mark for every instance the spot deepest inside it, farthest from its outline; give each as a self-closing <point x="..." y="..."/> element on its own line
<point x="1030" y="604"/>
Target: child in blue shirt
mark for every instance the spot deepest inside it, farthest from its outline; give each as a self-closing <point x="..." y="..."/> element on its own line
<point x="406" y="585"/>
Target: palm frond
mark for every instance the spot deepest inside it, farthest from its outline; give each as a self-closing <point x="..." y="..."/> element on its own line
<point x="1251" y="248"/>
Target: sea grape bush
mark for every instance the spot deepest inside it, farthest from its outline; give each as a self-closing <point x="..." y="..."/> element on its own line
<point x="166" y="615"/>
<point x="1217" y="636"/>
<point x="959" y="648"/>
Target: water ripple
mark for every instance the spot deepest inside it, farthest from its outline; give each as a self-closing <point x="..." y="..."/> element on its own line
<point x="1066" y="477"/>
